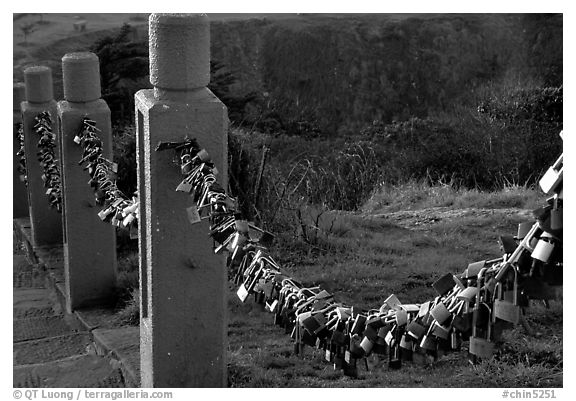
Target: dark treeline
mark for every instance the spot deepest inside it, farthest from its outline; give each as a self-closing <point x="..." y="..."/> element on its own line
<point x="472" y="99"/>
<point x="339" y="74"/>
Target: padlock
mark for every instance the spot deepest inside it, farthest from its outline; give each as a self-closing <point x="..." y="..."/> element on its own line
<point x="440" y="313"/>
<point x="415" y="330"/>
<point x="349" y="367"/>
<point x="553" y="177"/>
<point x="401" y="318"/>
<point x="504" y="309"/>
<point x="474" y="268"/>
<point x="394" y="359"/>
<point x="406" y="347"/>
<point x="507" y="243"/>
<point x="481" y="347"/>
<point x="444" y="284"/>
<point x="428" y="343"/>
<point x="455" y="340"/>
<point x="468" y="294"/>
<point x="359" y="324"/>
<point x="380" y="346"/>
<point x="440" y="331"/>
<point x="544" y="248"/>
<point x="424" y="311"/>
<point x="356" y="349"/>
<point x="367" y="345"/>
<point x="392" y="302"/>
<point x="523" y="229"/>
<point x="556" y="214"/>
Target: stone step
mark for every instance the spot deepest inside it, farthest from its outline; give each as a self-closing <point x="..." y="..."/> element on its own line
<point x="50" y="349"/>
<point x="77" y="371"/>
<point x="40" y="327"/>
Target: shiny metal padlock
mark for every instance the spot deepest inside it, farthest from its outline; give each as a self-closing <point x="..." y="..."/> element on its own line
<point x="429" y="342"/>
<point x="553" y="177"/>
<point x="504" y="309"/>
<point x="367" y="345"/>
<point x="544" y="248"/>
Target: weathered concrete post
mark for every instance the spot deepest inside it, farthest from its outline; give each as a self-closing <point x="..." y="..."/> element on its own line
<point x="89" y="244"/>
<point x="45" y="220"/>
<point x="183" y="283"/>
<point x="19" y="194"/>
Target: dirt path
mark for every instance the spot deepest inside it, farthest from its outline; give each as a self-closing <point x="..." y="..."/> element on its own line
<point x="424" y="219"/>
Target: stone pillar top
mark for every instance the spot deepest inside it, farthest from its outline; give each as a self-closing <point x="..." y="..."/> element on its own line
<point x="81" y="76"/>
<point x="38" y="81"/>
<point x="19" y="95"/>
<point x="179" y="51"/>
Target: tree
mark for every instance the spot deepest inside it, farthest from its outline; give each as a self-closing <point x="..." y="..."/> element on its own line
<point x="27" y="29"/>
<point x="124" y="70"/>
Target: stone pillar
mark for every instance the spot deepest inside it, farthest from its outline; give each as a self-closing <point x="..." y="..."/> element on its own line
<point x="45" y="220"/>
<point x="183" y="283"/>
<point x="89" y="244"/>
<point x="19" y="194"/>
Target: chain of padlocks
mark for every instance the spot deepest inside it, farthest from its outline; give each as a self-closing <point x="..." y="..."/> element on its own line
<point x="467" y="307"/>
<point x="19" y="133"/>
<point x="47" y="159"/>
<point x="119" y="210"/>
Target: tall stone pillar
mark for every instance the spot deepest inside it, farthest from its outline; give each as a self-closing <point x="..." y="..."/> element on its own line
<point x="183" y="283"/>
<point x="45" y="220"/>
<point x="89" y="244"/>
<point x="19" y="193"/>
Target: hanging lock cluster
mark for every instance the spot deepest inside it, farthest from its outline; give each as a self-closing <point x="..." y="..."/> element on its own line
<point x="19" y="133"/>
<point x="47" y="159"/>
<point x="468" y="306"/>
<point x="119" y="210"/>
